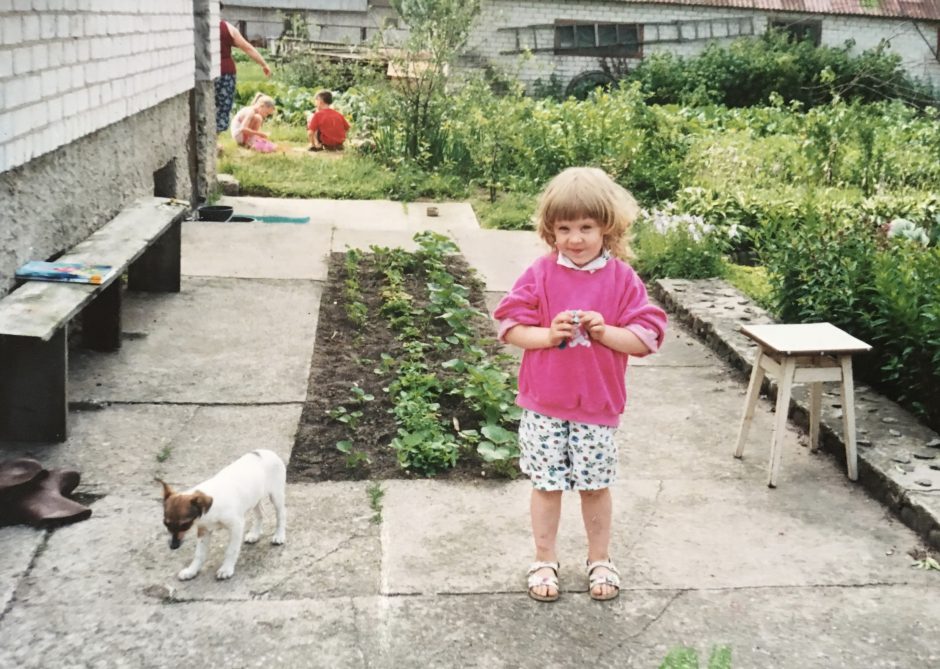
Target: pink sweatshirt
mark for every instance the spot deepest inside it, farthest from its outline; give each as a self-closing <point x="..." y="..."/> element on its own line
<point x="579" y="383"/>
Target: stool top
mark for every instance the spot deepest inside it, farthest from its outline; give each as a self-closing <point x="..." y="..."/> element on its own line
<point x="805" y="338"/>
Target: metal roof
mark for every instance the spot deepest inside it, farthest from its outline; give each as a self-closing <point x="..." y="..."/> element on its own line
<point x="928" y="10"/>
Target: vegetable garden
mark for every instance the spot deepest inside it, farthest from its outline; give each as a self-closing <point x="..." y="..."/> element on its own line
<point x="821" y="207"/>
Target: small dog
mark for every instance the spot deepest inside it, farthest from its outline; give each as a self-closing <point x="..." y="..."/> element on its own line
<point x="223" y="501"/>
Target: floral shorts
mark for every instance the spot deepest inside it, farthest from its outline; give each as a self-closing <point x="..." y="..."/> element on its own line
<point x="224" y="99"/>
<point x="565" y="455"/>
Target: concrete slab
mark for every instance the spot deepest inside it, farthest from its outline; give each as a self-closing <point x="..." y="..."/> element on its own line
<point x="692" y="434"/>
<point x="332" y="549"/>
<point x="784" y="628"/>
<point x="256" y="250"/>
<point x="667" y="534"/>
<point x="211" y="634"/>
<point x="377" y="215"/>
<point x="500" y="256"/>
<point x="20" y="545"/>
<point x="216" y="342"/>
<point x="120" y="448"/>
<point x="347" y="238"/>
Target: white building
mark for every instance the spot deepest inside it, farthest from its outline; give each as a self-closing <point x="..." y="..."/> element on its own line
<point x="537" y="39"/>
<point x="327" y="21"/>
<point x="100" y="102"/>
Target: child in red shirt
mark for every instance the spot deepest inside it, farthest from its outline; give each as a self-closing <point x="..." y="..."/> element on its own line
<point x="326" y="128"/>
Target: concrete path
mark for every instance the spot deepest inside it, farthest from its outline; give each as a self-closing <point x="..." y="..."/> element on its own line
<point x="812" y="574"/>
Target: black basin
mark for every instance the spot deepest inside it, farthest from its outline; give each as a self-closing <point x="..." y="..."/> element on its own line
<point x="215" y="212"/>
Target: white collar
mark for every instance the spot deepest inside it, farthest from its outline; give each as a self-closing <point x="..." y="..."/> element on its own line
<point x="598" y="263"/>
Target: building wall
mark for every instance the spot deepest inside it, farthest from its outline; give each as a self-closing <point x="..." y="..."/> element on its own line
<point x="487" y="41"/>
<point x="96" y="97"/>
<point x="265" y="24"/>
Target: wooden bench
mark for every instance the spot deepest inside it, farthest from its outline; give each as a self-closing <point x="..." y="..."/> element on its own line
<point x="144" y="241"/>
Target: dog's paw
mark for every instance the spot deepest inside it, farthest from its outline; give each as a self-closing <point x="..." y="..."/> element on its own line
<point x="224" y="573"/>
<point x="252" y="538"/>
<point x="187" y="574"/>
<point x="278" y="539"/>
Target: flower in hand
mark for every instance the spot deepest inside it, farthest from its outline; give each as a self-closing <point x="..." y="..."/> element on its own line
<point x="561" y="329"/>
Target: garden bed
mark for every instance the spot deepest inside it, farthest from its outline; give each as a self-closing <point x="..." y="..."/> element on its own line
<point x="406" y="378"/>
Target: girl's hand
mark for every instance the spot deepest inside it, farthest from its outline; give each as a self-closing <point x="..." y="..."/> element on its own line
<point x="561" y="328"/>
<point x="593" y="323"/>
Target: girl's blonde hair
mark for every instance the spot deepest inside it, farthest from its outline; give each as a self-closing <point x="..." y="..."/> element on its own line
<point x="588" y="192"/>
<point x="265" y="100"/>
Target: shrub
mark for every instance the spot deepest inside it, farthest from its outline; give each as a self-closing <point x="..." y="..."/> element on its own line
<point x="750" y="70"/>
<point x="903" y="322"/>
<point x="679" y="246"/>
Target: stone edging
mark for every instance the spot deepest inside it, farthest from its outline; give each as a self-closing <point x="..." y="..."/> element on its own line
<point x="895" y="451"/>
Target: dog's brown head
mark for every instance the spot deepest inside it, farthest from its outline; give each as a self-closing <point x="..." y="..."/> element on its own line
<point x="180" y="511"/>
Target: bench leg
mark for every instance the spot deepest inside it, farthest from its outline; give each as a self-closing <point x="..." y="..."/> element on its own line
<point x="158" y="269"/>
<point x="101" y="320"/>
<point x="750" y="402"/>
<point x="785" y="384"/>
<point x="34" y="387"/>
<point x="815" y="408"/>
<point x="848" y="417"/>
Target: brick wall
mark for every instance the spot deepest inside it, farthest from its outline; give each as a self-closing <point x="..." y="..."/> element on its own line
<point x="71" y="67"/>
<point x="487" y="41"/>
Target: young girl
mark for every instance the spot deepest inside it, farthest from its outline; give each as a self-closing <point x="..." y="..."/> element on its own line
<point x="246" y="126"/>
<point x="578" y="313"/>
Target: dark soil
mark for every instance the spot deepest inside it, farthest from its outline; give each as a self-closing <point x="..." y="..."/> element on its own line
<point x="344" y="355"/>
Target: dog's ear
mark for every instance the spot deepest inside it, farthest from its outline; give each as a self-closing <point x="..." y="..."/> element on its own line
<point x="167" y="490"/>
<point x="201" y="503"/>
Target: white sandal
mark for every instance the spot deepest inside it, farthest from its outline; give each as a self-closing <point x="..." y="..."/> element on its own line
<point x="535" y="581"/>
<point x="611" y="578"/>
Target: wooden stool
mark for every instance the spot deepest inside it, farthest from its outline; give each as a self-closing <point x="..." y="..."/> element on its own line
<point x="803" y="353"/>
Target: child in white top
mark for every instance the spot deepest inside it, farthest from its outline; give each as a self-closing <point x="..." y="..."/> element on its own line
<point x="246" y="126"/>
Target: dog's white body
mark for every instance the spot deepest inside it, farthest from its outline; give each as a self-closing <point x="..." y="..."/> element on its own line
<point x="238" y="488"/>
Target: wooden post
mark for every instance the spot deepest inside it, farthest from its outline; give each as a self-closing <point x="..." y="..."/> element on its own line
<point x="158" y="269"/>
<point x="34" y="387"/>
<point x="101" y="320"/>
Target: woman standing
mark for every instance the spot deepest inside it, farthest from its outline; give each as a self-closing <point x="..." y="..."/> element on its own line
<point x="225" y="84"/>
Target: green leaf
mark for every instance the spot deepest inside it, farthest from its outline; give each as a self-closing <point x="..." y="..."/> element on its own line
<point x="497" y="434"/>
<point x="344" y="446"/>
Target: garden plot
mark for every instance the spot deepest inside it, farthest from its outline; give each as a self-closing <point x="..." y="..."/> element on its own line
<point x="406" y="378"/>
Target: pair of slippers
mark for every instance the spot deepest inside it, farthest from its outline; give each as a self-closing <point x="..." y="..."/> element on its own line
<point x="611" y="577"/>
<point x="33" y="495"/>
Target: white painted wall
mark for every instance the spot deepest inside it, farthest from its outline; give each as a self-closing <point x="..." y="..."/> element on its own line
<point x="487" y="41"/>
<point x="267" y="23"/>
<point x="70" y="67"/>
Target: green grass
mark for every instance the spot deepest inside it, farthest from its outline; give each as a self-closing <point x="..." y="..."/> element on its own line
<point x="752" y="281"/>
<point x="687" y="658"/>
<point x="511" y="211"/>
<point x="250" y="72"/>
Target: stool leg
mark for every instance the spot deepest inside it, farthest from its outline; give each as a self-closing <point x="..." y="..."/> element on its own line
<point x="750" y="401"/>
<point x="815" y="407"/>
<point x="780" y="418"/>
<point x="848" y="417"/>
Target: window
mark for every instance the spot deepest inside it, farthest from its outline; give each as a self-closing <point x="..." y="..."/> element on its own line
<point x="800" y="29"/>
<point x="598" y="39"/>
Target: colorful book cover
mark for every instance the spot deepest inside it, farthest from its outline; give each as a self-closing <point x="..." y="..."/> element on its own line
<point x="70" y="272"/>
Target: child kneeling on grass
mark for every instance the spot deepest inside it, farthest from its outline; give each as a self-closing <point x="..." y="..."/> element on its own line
<point x="578" y="313"/>
<point x="246" y="126"/>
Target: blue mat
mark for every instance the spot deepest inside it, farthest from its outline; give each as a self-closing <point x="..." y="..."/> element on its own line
<point x="278" y="219"/>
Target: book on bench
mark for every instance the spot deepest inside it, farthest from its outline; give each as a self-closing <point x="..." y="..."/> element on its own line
<point x="68" y="272"/>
